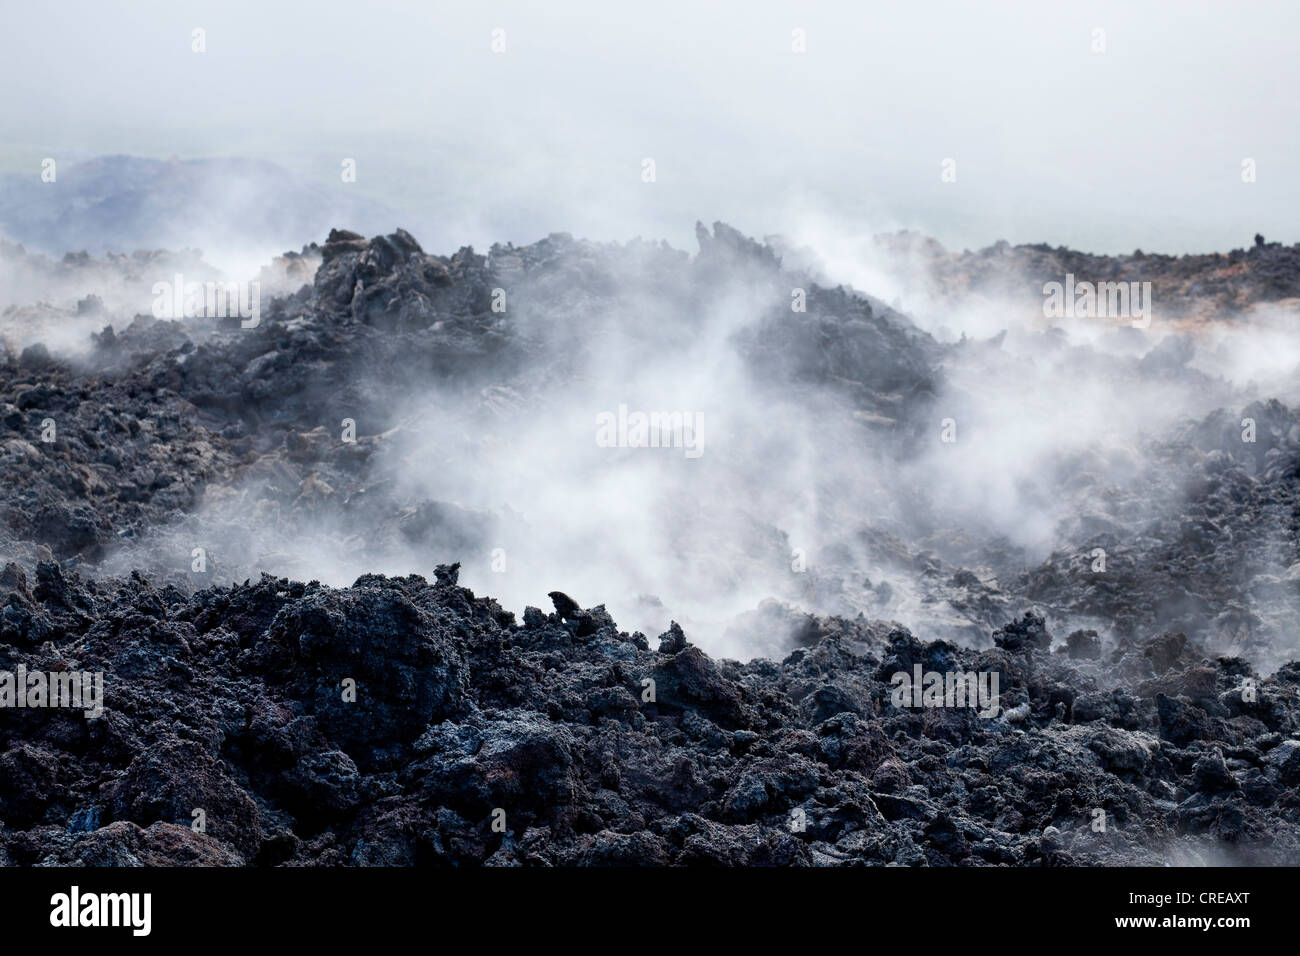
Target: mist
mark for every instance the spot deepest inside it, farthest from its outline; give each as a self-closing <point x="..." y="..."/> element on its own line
<point x="989" y="441"/>
<point x="908" y="448"/>
<point x="1106" y="150"/>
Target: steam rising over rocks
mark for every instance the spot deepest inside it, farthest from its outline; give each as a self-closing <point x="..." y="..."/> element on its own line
<point x="1128" y="569"/>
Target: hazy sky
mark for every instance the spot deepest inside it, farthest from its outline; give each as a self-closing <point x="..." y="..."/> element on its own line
<point x="1138" y="146"/>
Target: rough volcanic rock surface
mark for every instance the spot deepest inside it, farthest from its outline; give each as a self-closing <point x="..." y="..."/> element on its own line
<point x="1216" y="285"/>
<point x="595" y="749"/>
<point x="400" y="722"/>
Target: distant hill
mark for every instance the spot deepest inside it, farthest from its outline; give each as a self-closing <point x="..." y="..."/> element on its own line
<point x="124" y="203"/>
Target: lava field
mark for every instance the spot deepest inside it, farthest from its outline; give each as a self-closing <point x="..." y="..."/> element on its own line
<point x="363" y="590"/>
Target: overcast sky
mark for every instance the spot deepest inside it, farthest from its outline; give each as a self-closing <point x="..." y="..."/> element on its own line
<point x="1137" y="146"/>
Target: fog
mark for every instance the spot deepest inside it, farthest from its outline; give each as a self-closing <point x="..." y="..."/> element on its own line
<point x="1139" y="145"/>
<point x="801" y="491"/>
<point x="786" y="491"/>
